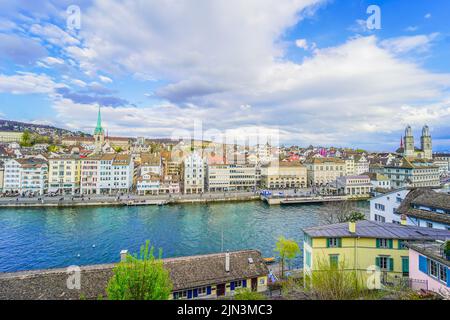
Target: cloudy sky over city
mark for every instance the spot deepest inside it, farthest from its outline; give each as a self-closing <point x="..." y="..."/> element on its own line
<point x="311" y="69"/>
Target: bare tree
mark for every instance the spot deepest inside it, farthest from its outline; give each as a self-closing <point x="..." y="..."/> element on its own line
<point x="338" y="212"/>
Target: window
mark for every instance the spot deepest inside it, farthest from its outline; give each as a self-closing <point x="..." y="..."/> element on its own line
<point x="334" y="242"/>
<point x="308" y="259"/>
<point x="385" y="263"/>
<point x="384" y="243"/>
<point x="429" y="225"/>
<point x="334" y="260"/>
<point x="434" y="269"/>
<point x="379" y="218"/>
<point x="380" y="207"/>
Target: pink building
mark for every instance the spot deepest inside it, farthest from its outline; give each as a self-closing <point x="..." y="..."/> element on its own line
<point x="429" y="267"/>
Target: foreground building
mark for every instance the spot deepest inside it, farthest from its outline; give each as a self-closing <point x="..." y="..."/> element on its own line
<point x="359" y="246"/>
<point x="194" y="277"/>
<point x="426" y="208"/>
<point x="429" y="263"/>
<point x="383" y="208"/>
<point x="217" y="275"/>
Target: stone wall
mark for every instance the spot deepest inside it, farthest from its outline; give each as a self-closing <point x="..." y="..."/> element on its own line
<point x="52" y="284"/>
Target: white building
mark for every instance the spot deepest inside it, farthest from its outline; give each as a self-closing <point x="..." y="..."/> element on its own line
<point x="150" y="163"/>
<point x="148" y="184"/>
<point x="379" y="181"/>
<point x="231" y="177"/>
<point x="108" y="173"/>
<point x="361" y="165"/>
<point x="383" y="208"/>
<point x="116" y="173"/>
<point x="354" y="186"/>
<point x="194" y="167"/>
<point x="26" y="176"/>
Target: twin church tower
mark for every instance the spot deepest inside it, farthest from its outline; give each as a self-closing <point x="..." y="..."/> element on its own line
<point x="426" y="149"/>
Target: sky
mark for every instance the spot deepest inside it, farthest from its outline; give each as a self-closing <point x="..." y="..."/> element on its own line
<point x="311" y="71"/>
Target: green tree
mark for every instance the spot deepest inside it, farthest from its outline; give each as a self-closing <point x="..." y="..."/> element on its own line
<point x="140" y="277"/>
<point x="246" y="294"/>
<point x="53" y="148"/>
<point x="118" y="149"/>
<point x="287" y="249"/>
<point x="355" y="216"/>
<point x="25" y="140"/>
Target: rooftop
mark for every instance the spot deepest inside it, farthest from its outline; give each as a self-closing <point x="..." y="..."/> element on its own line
<point x="426" y="198"/>
<point x="373" y="229"/>
<point x="432" y="250"/>
<point x="197" y="271"/>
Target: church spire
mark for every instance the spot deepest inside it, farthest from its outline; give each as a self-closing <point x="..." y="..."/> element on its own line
<point x="99" y="129"/>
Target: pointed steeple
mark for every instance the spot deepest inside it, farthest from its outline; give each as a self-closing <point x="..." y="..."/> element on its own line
<point x="99" y="129"/>
<point x="401" y="142"/>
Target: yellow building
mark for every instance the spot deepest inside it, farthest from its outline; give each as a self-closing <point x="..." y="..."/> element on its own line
<point x="64" y="174"/>
<point x="363" y="247"/>
<point x="10" y="136"/>
<point x="322" y="171"/>
<point x="283" y="175"/>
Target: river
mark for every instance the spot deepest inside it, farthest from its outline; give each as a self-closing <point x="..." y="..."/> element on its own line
<point x="51" y="238"/>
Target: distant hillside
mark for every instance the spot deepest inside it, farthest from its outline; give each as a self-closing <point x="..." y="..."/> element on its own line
<point x="45" y="130"/>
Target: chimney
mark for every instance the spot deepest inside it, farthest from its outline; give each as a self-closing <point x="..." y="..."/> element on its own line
<point x="123" y="255"/>
<point x="227" y="262"/>
<point x="352" y="227"/>
<point x="403" y="220"/>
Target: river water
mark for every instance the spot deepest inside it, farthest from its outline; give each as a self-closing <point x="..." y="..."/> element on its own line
<point x="51" y="238"/>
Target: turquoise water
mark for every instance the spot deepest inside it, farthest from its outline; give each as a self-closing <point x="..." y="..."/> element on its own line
<point x="50" y="238"/>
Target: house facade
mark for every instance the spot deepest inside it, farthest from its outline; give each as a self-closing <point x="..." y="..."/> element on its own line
<point x="64" y="174"/>
<point x="283" y="175"/>
<point x="383" y="208"/>
<point x="230" y="177"/>
<point x="430" y="263"/>
<point x="364" y="245"/>
<point x="323" y="171"/>
<point x="28" y="175"/>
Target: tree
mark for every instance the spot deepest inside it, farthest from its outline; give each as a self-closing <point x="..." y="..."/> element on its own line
<point x="246" y="294"/>
<point x="338" y="212"/>
<point x="118" y="149"/>
<point x="140" y="277"/>
<point x="287" y="249"/>
<point x="53" y="148"/>
<point x="25" y="140"/>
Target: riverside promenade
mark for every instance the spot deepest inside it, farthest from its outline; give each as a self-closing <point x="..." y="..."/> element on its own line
<point x="124" y="200"/>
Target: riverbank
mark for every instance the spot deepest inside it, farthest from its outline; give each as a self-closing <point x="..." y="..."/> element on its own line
<point x="128" y="202"/>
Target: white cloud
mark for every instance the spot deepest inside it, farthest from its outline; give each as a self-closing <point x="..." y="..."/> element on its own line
<point x="53" y="60"/>
<point x="302" y="43"/>
<point x="27" y="83"/>
<point x="53" y="34"/>
<point x="428" y="16"/>
<point x="419" y="43"/>
<point x="228" y="56"/>
<point x="105" y="79"/>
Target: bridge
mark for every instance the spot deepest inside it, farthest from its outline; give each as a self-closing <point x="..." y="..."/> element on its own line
<point x="299" y="200"/>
